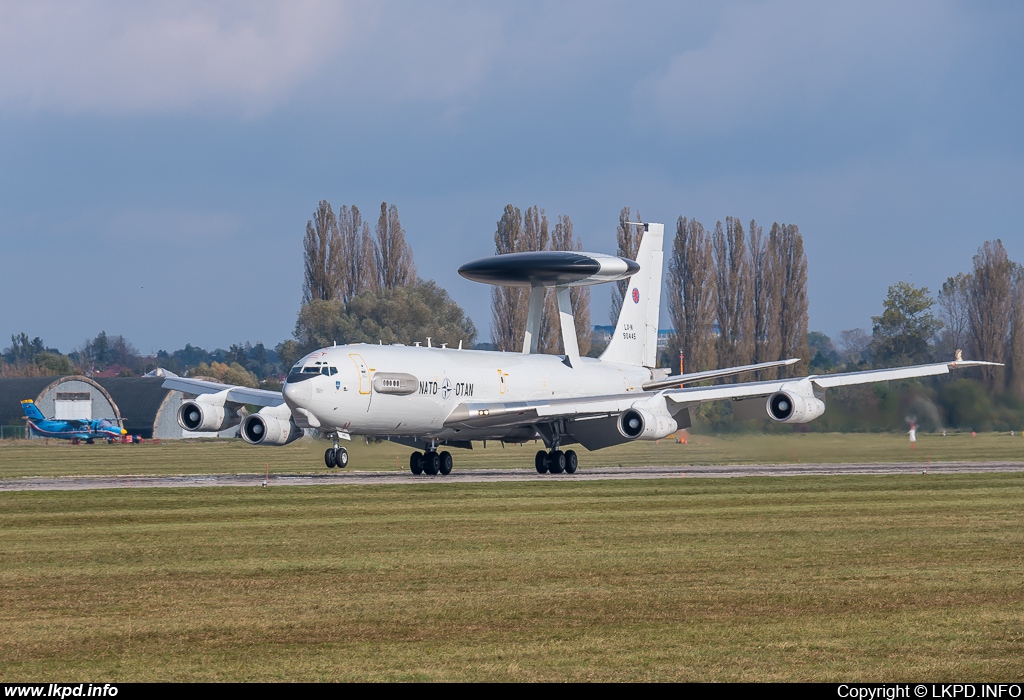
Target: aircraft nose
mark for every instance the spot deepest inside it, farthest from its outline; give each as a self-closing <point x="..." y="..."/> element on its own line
<point x="124" y="431"/>
<point x="298" y="393"/>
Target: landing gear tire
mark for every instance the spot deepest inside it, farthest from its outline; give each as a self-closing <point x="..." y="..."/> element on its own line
<point x="446" y="464"/>
<point x="431" y="463"/>
<point x="341" y="458"/>
<point x="571" y="462"/>
<point x="329" y="458"/>
<point x="540" y="461"/>
<point x="416" y="463"/>
<point x="556" y="462"/>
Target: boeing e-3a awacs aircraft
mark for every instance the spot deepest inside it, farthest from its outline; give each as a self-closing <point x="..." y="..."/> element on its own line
<point x="430" y="398"/>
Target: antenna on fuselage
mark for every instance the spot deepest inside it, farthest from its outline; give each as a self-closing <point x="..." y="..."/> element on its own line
<point x="428" y="342"/>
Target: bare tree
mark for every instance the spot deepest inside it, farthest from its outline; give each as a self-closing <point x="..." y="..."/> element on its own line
<point x="854" y="344"/>
<point x="537" y="237"/>
<point x="789" y="294"/>
<point x="320" y="250"/>
<point x="990" y="310"/>
<point x="735" y="321"/>
<point x="395" y="266"/>
<point x="953" y="305"/>
<point x="693" y="298"/>
<point x="563" y="238"/>
<point x="357" y="267"/>
<point x="762" y="280"/>
<point x="628" y="237"/>
<point x="1015" y="367"/>
<point x="509" y="305"/>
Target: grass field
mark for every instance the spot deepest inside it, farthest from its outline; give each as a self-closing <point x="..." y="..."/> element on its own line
<point x="905" y="577"/>
<point x="35" y="458"/>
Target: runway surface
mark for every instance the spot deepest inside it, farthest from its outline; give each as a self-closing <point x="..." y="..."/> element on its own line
<point x="363" y="478"/>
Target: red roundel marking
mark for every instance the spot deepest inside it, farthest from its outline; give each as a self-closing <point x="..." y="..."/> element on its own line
<point x="636" y="295"/>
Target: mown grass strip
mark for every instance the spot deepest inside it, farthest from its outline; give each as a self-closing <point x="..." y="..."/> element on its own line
<point x="852" y="578"/>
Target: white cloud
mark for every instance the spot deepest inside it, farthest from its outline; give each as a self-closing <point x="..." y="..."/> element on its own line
<point x="115" y="58"/>
<point x="799" y="59"/>
<point x="110" y="57"/>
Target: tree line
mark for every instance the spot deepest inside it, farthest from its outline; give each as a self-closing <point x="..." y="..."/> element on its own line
<point x="363" y="287"/>
<point x="523" y="231"/>
<point x="242" y="363"/>
<point x="982" y="311"/>
<point x="738" y="297"/>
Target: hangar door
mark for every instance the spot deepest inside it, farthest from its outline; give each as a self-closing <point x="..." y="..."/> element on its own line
<point x="73" y="405"/>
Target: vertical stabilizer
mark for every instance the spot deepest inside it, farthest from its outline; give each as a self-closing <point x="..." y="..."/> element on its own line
<point x="31" y="411"/>
<point x="635" y="340"/>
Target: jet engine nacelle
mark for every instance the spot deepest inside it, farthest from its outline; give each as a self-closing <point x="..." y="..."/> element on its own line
<point x="645" y="424"/>
<point x="794" y="406"/>
<point x="270" y="427"/>
<point x="206" y="414"/>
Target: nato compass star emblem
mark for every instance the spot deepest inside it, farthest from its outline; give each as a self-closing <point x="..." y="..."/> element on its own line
<point x="446" y="389"/>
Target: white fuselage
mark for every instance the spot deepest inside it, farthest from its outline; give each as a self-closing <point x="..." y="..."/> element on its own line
<point x="401" y="390"/>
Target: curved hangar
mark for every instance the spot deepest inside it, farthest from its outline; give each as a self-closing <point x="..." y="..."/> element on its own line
<point x="549" y="268"/>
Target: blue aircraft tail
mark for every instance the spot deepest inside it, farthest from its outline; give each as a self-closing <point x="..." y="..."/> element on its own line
<point x="31" y="410"/>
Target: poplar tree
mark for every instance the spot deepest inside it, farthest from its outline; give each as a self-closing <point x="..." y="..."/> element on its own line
<point x="1015" y="363"/>
<point x="789" y="294"/>
<point x="508" y="310"/>
<point x="761" y="291"/>
<point x="320" y="250"/>
<point x="733" y="278"/>
<point x="357" y="268"/>
<point x="991" y="309"/>
<point x="563" y="238"/>
<point x="395" y="266"/>
<point x="628" y="237"/>
<point x="693" y="299"/>
<point x="537" y="237"/>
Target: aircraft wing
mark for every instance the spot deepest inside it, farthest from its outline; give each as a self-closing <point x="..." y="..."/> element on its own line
<point x="678" y="379"/>
<point x="695" y="395"/>
<point x="502" y="414"/>
<point x="236" y="394"/>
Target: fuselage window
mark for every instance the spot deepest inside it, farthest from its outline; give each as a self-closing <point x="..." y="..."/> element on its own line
<point x="311" y="370"/>
<point x="334" y="371"/>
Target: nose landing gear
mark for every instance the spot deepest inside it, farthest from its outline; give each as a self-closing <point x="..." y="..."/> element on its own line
<point x="336" y="456"/>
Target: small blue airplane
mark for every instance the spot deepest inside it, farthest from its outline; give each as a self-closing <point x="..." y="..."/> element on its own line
<point x="86" y="430"/>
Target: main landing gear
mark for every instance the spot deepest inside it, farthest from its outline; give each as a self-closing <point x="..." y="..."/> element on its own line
<point x="431" y="462"/>
<point x="556" y="462"/>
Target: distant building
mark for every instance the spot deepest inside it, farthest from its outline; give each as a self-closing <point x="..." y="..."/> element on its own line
<point x="147" y="409"/>
<point x="64" y="398"/>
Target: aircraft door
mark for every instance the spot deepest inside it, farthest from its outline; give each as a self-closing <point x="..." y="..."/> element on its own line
<point x="364" y="373"/>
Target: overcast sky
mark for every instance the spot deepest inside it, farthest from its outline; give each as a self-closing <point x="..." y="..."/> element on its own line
<point x="159" y="161"/>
